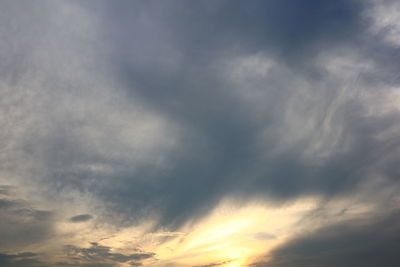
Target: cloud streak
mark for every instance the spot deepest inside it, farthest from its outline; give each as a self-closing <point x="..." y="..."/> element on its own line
<point x="81" y="218"/>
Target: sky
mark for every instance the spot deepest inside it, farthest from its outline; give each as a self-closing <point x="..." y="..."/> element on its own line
<point x="222" y="133"/>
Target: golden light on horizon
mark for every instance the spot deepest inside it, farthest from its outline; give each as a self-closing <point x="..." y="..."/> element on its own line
<point x="231" y="235"/>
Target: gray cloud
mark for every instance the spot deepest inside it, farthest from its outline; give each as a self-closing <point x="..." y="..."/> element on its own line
<point x="81" y="218"/>
<point x="97" y="255"/>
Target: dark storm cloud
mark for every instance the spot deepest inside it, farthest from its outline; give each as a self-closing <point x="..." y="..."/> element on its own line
<point x="202" y="30"/>
<point x="167" y="55"/>
<point x="81" y="218"/>
<point x="97" y="255"/>
<point x="361" y="242"/>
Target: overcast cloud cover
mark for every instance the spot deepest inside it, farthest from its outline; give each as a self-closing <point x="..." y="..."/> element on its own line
<point x="119" y="114"/>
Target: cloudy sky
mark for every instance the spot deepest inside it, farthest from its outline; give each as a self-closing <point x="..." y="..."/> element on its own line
<point x="222" y="133"/>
